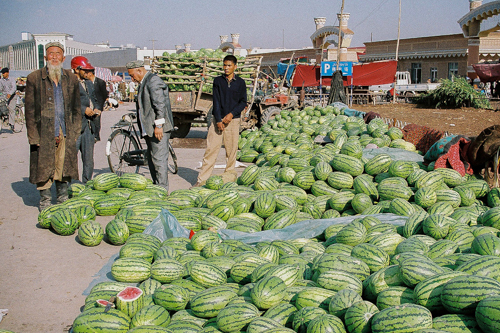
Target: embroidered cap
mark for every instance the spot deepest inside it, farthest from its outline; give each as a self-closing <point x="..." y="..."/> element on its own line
<point x="56" y="44"/>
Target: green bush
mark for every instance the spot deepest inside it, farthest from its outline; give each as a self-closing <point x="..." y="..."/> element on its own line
<point x="454" y="94"/>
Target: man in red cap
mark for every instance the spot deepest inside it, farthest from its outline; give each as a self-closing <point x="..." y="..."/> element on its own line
<point x="53" y="123"/>
<point x="86" y="141"/>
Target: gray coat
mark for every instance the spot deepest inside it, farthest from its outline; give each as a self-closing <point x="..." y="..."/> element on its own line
<point x="153" y="103"/>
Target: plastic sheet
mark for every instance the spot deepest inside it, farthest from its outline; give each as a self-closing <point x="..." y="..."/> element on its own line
<point x="165" y="226"/>
<point x="396" y="154"/>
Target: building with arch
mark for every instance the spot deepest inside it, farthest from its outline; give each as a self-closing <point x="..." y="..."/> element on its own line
<point x="439" y="57"/>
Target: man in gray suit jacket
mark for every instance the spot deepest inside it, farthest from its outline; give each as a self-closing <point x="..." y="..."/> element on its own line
<point x="154" y="118"/>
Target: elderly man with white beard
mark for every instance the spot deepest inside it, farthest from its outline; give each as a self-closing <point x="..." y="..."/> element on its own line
<point x="53" y="121"/>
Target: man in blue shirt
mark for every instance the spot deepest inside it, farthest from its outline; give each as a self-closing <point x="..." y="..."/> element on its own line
<point x="230" y="99"/>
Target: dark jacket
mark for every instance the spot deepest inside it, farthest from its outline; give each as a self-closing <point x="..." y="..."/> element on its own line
<point x="101" y="93"/>
<point x="153" y="103"/>
<point x="85" y="98"/>
<point x="40" y="114"/>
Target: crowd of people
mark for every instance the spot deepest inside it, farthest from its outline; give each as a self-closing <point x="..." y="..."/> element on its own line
<point x="64" y="108"/>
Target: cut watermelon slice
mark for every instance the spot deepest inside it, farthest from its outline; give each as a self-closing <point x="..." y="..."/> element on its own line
<point x="130" y="300"/>
<point x="102" y="303"/>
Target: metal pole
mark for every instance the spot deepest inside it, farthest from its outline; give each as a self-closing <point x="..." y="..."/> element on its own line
<point x="340" y="36"/>
<point x="397" y="52"/>
<point x="153" y="40"/>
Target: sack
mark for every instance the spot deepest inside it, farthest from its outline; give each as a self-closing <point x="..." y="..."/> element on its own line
<point x="4" y="110"/>
<point x="485" y="146"/>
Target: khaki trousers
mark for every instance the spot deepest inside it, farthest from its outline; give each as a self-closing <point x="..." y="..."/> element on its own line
<point x="214" y="141"/>
<point x="59" y="164"/>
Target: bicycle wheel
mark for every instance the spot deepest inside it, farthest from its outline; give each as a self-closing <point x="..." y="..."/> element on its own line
<point x="118" y="143"/>
<point x="172" y="159"/>
<point x="19" y="120"/>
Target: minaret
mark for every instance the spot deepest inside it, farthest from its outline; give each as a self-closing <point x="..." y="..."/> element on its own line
<point x="343" y="19"/>
<point x="475" y="3"/>
<point x="473" y="41"/>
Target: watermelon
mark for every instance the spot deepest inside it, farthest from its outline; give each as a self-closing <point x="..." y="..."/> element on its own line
<point x="358" y="318"/>
<point x="488" y="314"/>
<point x="401" y="318"/>
<point x="236" y="317"/>
<point x="131" y="270"/>
<point x="106" y="181"/>
<point x="268" y="292"/>
<point x="326" y="323"/>
<point x="90" y="233"/>
<point x="64" y="222"/>
<point x="101" y="320"/>
<point x="133" y="181"/>
<point x="171" y="297"/>
<point x="130" y="300"/>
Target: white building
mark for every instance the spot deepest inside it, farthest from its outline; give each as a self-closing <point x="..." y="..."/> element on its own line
<point x="28" y="54"/>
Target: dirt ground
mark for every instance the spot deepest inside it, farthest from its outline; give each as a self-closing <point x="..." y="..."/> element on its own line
<point x="43" y="275"/>
<point x="464" y="121"/>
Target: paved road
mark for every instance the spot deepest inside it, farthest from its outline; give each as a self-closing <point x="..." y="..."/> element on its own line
<point x="43" y="275"/>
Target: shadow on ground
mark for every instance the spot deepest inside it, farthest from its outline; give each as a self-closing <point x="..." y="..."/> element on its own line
<point x="27" y="191"/>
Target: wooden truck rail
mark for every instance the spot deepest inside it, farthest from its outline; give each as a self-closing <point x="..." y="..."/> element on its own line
<point x="190" y="84"/>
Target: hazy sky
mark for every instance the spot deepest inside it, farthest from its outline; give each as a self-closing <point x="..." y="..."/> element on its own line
<point x="261" y="23"/>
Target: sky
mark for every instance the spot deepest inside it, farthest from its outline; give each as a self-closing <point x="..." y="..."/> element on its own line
<point x="260" y="23"/>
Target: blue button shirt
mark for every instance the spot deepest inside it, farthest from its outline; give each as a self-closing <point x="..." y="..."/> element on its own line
<point x="59" y="109"/>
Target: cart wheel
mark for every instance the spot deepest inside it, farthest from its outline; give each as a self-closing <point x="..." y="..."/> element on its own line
<point x="181" y="131"/>
<point x="269" y="114"/>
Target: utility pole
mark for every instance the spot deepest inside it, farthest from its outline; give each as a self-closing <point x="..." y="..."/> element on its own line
<point x="340" y="36"/>
<point x="397" y="53"/>
<point x="153" y="40"/>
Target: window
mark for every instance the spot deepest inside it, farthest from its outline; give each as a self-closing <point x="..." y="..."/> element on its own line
<point x="434" y="74"/>
<point x="416" y="73"/>
<point x="452" y="69"/>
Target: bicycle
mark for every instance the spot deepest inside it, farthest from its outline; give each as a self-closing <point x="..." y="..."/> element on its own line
<point x="125" y="151"/>
<point x="19" y="120"/>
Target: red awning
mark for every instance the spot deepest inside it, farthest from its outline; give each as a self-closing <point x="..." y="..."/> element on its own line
<point x="367" y="74"/>
<point x="488" y="72"/>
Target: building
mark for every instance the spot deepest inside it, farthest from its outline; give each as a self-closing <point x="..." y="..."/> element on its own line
<point x="28" y="54"/>
<point x="440" y="57"/>
<point x="324" y="46"/>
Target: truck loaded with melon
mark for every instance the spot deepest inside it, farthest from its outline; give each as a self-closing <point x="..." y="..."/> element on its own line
<point x="190" y="77"/>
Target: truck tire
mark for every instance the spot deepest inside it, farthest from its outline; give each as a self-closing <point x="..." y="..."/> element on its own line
<point x="181" y="130"/>
<point x="269" y="114"/>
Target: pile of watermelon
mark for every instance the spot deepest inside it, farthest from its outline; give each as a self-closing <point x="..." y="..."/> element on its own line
<point x="184" y="71"/>
<point x="362" y="276"/>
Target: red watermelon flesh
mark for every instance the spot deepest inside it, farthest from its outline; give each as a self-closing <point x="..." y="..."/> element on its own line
<point x="103" y="303"/>
<point x="129" y="294"/>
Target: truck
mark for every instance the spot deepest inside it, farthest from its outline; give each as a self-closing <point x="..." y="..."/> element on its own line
<point x="190" y="76"/>
<point x="404" y="87"/>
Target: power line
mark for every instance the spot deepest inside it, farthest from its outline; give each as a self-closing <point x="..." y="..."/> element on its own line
<point x="382" y="2"/>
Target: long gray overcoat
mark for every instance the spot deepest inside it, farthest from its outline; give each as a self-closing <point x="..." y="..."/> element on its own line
<point x="40" y="114"/>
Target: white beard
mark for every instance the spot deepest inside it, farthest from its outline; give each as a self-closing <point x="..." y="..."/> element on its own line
<point x="54" y="71"/>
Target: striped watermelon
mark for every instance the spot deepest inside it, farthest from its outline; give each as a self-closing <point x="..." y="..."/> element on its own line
<point x="378" y="164"/>
<point x="133" y="181"/>
<point x="414" y="269"/>
<point x="131" y="270"/>
<point x="262" y="324"/>
<point x="428" y="292"/>
<point x="64" y="222"/>
<point x="381" y="280"/>
<point x="347" y="164"/>
<point x="236" y="317"/>
<point x="374" y="257"/>
<point x="488" y="314"/>
<point x="304" y="179"/>
<point x="207" y="275"/>
<point x="90" y="233"/>
<point x="167" y="270"/>
<point x="84" y="213"/>
<point x="282" y="313"/>
<point x="265" y="205"/>
<point x="326" y="323"/>
<point x="106" y="181"/>
<point x="208" y="303"/>
<point x="400" y="168"/>
<point x="394" y="296"/>
<point x="130" y="300"/>
<point x="101" y="320"/>
<point x="342" y="301"/>
<point x="486" y="244"/>
<point x="358" y="318"/>
<point x="304" y="316"/>
<point x="401" y="318"/>
<point x="463" y="293"/>
<point x="337" y="280"/>
<point x="268" y="292"/>
<point x="171" y="297"/>
<point x="322" y="170"/>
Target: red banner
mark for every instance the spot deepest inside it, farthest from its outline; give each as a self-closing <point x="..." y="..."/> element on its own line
<point x="367" y="74"/>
